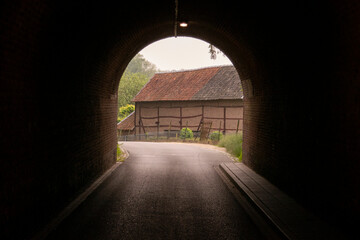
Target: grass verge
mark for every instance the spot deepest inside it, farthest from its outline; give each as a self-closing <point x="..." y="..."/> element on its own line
<point x="119" y="154"/>
<point x="233" y="144"/>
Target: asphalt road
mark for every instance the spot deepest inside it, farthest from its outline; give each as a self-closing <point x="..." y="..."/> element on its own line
<point x="162" y="191"/>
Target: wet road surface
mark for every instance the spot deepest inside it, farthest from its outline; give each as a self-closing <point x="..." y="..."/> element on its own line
<point x="162" y="191"/>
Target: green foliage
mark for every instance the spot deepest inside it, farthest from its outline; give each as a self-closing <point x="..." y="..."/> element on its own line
<point x="136" y="75"/>
<point x="125" y="111"/>
<point x="119" y="154"/>
<point x="140" y="65"/>
<point x="130" y="85"/>
<point x="186" y="133"/>
<point x="233" y="144"/>
<point x="216" y="136"/>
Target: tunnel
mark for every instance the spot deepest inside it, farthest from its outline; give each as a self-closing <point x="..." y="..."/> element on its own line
<point x="60" y="66"/>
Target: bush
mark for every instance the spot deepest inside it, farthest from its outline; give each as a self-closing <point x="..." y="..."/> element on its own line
<point x="233" y="144"/>
<point x="216" y="136"/>
<point x="186" y="133"/>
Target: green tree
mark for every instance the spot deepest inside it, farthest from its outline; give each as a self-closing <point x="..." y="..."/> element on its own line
<point x="130" y="85"/>
<point x="136" y="75"/>
<point x="140" y="65"/>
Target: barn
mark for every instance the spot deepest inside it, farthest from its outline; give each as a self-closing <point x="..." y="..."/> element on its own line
<point x="171" y="101"/>
<point x="126" y="126"/>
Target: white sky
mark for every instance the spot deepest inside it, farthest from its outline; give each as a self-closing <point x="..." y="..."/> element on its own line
<point x="181" y="53"/>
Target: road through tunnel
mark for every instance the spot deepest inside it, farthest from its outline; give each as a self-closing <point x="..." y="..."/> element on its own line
<point x="60" y="69"/>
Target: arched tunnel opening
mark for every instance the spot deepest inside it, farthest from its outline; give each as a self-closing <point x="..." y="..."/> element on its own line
<point x="178" y="83"/>
<point x="61" y="65"/>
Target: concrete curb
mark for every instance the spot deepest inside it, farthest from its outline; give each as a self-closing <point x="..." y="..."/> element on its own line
<point x="74" y="204"/>
<point x="277" y="215"/>
<point x="125" y="152"/>
<point x="264" y="225"/>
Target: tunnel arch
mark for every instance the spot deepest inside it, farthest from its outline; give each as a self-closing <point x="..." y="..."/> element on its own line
<point x="239" y="54"/>
<point x="299" y="61"/>
<point x="267" y="51"/>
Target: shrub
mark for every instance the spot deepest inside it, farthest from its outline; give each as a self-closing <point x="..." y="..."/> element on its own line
<point x="233" y="144"/>
<point x="216" y="136"/>
<point x="186" y="133"/>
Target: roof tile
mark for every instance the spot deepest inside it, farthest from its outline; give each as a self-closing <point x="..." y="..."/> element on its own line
<point x="192" y="85"/>
<point x="127" y="123"/>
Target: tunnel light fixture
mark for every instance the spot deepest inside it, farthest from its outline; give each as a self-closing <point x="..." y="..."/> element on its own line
<point x="183" y="24"/>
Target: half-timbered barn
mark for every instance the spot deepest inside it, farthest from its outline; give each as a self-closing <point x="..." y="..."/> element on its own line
<point x="174" y="100"/>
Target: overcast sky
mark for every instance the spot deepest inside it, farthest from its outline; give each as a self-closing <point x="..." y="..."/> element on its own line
<point x="181" y="53"/>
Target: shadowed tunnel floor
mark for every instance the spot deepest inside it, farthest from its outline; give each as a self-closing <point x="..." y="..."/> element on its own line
<point x="162" y="191"/>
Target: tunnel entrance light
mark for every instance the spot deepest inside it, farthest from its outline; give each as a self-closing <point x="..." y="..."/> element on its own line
<point x="183" y="24"/>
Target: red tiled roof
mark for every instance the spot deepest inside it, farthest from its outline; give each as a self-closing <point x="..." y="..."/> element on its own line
<point x="127" y="123"/>
<point x="200" y="84"/>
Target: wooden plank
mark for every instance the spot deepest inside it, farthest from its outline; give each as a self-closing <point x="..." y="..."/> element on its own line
<point x="198" y="106"/>
<point x="137" y="106"/>
<point x="158" y="123"/>
<point x="201" y="120"/>
<point x="180" y="118"/>
<point x="172" y="126"/>
<point x="224" y="121"/>
<point x="142" y="125"/>
<point x="222" y="118"/>
<point x="169" y="131"/>
<point x="157" y="117"/>
<point x="237" y="127"/>
<point x="209" y="130"/>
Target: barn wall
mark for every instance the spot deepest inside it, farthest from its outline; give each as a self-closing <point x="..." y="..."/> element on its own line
<point x="186" y="109"/>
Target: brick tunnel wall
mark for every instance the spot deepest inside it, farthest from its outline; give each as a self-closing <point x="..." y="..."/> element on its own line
<point x="58" y="115"/>
<point x="60" y="65"/>
<point x="302" y="118"/>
